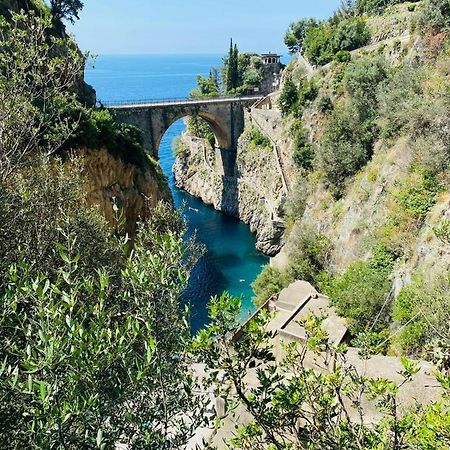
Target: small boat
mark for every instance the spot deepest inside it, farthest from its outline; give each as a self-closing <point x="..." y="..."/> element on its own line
<point x="193" y="209"/>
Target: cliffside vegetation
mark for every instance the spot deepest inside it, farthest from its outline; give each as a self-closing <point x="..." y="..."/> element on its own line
<point x="343" y="120"/>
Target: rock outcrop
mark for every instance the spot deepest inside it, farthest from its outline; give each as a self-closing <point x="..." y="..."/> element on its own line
<point x="111" y="181"/>
<point x="254" y="193"/>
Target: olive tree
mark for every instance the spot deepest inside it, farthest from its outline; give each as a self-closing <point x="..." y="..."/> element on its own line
<point x="37" y="71"/>
<point x="92" y="361"/>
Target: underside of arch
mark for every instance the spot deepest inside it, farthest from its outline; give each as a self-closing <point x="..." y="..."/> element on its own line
<point x="220" y="130"/>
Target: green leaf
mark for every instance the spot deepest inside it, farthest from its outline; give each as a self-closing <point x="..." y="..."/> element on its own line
<point x="99" y="438"/>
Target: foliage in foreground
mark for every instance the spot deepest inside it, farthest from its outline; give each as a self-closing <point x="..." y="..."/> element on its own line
<point x="90" y="360"/>
<point x="293" y="406"/>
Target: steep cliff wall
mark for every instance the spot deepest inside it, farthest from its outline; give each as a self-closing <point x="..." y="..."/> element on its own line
<point x="133" y="189"/>
<point x="254" y="194"/>
<point x="384" y="222"/>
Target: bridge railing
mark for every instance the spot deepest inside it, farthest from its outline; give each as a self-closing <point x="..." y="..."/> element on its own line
<point x="109" y="104"/>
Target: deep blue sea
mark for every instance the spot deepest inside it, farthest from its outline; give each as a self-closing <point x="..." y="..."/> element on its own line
<point x="231" y="262"/>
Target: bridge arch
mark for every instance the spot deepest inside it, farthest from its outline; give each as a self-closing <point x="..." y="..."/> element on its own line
<point x="219" y="128"/>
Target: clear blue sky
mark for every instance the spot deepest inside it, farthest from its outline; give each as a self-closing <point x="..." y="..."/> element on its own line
<point x="190" y="26"/>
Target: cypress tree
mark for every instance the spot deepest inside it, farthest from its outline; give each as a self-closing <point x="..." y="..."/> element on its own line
<point x="229" y="80"/>
<point x="235" y="67"/>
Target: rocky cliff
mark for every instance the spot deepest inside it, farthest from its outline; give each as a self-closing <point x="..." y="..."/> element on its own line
<point x="254" y="193"/>
<point x="133" y="189"/>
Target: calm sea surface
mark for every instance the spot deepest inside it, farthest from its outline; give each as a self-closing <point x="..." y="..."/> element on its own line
<point x="231" y="262"/>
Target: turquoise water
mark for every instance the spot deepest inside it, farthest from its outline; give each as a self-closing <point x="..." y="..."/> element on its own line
<point x="231" y="262"/>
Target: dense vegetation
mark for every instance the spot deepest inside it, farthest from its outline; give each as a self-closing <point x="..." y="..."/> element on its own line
<point x="241" y="72"/>
<point x="361" y="101"/>
<point x="320" y="42"/>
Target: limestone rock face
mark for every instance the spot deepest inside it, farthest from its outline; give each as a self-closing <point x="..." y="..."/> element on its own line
<point x="253" y="194"/>
<point x="133" y="189"/>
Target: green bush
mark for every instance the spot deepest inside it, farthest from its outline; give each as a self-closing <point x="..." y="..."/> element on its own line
<point x="296" y="201"/>
<point x="269" y="282"/>
<point x="83" y="350"/>
<point x="324" y="40"/>
<point x="404" y="107"/>
<point x="258" y="139"/>
<point x="307" y="92"/>
<point x="199" y="127"/>
<point x="422" y="311"/>
<point x="360" y="294"/>
<point x="318" y="44"/>
<point x="349" y="133"/>
<point x="361" y="80"/>
<point x="206" y="86"/>
<point x="41" y="206"/>
<point x="350" y="34"/>
<point x="442" y="232"/>
<point x="303" y="150"/>
<point x="436" y="16"/>
<point x="418" y="197"/>
<point x="325" y="103"/>
<point x="308" y="254"/>
<point x="343" y="56"/>
<point x="97" y="128"/>
<point x="346" y="146"/>
<point x="288" y="99"/>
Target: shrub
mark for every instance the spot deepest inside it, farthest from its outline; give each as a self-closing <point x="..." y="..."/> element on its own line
<point x="431" y="152"/>
<point x="258" y="139"/>
<point x="308" y="253"/>
<point x="422" y="310"/>
<point x="179" y="147"/>
<point x="307" y="92"/>
<point x="199" y="127"/>
<point x="324" y="40"/>
<point x="42" y="205"/>
<point x="360" y="294"/>
<point x="343" y="56"/>
<point x="82" y="353"/>
<point x="97" y="128"/>
<point x="435" y="16"/>
<point x="269" y="282"/>
<point x="296" y="201"/>
<point x="403" y="104"/>
<point x="317" y="44"/>
<point x="288" y="98"/>
<point x="325" y="103"/>
<point x="206" y="86"/>
<point x="37" y="71"/>
<point x="361" y="80"/>
<point x="346" y="146"/>
<point x="419" y="195"/>
<point x="350" y="34"/>
<point x="442" y="232"/>
<point x="303" y="150"/>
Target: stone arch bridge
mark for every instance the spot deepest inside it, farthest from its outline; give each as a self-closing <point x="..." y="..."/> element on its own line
<point x="224" y="114"/>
